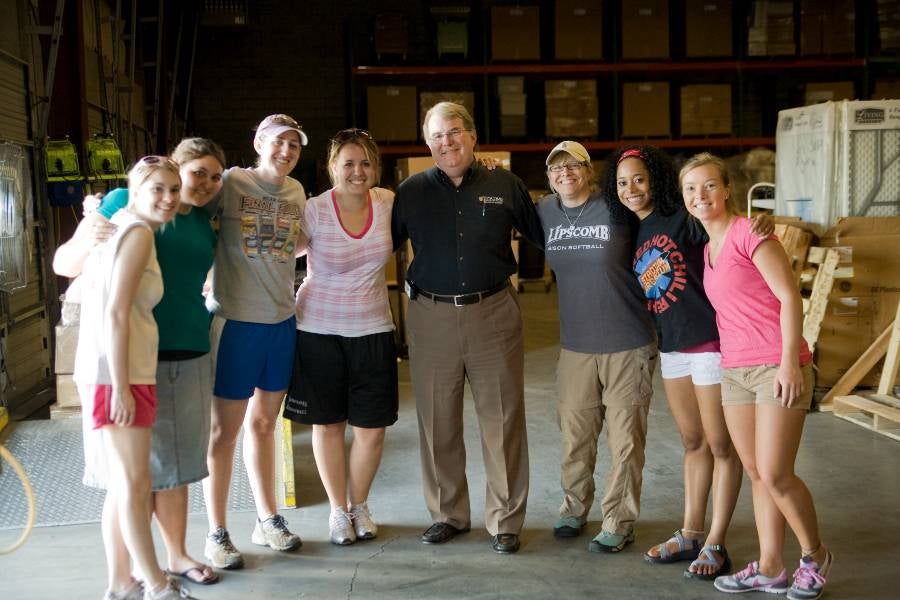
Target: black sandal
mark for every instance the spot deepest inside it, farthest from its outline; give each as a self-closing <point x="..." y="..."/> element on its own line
<point x="706" y="558"/>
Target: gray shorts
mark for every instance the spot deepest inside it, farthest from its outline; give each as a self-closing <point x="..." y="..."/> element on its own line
<point x="180" y="436"/>
<point x="181" y="432"/>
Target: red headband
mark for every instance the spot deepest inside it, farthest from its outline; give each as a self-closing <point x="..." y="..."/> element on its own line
<point x="631" y="152"/>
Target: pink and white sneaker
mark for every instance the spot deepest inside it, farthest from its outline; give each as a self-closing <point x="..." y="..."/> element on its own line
<point x="809" y="578"/>
<point x="749" y="579"/>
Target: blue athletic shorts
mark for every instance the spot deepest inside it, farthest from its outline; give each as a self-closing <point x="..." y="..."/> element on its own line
<point x="254" y="355"/>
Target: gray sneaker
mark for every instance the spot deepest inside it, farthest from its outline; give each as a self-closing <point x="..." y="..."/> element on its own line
<point x="340" y="527"/>
<point x="134" y="592"/>
<point x="809" y="578"/>
<point x="273" y="532"/>
<point x="749" y="579"/>
<point x="568" y="527"/>
<point x="366" y="529"/>
<point x="172" y="591"/>
<point x="221" y="552"/>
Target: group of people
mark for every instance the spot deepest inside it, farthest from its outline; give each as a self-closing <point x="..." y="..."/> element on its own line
<point x="650" y="264"/>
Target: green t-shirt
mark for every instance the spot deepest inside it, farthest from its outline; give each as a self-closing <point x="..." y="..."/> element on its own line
<point x="185" y="249"/>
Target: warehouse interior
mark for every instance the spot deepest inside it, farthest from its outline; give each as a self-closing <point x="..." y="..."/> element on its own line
<point x="801" y="97"/>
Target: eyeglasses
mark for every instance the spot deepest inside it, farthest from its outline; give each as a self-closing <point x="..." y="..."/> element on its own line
<point x="453" y="134"/>
<point x="345" y="135"/>
<point x="566" y="167"/>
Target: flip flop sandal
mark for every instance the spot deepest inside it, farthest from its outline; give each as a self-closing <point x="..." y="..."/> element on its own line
<point x="688" y="549"/>
<point x="197" y="575"/>
<point x="706" y="558"/>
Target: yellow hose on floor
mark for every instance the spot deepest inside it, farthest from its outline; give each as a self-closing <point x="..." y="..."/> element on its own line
<point x="29" y="493"/>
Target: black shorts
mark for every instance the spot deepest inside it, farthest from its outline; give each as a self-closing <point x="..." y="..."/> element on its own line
<point x="338" y="379"/>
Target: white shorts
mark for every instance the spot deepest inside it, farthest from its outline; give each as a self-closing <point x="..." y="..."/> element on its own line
<point x="704" y="368"/>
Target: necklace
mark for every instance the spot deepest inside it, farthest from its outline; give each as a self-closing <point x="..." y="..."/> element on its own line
<point x="568" y="218"/>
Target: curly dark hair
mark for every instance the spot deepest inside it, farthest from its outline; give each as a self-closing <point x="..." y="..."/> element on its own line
<point x="664" y="189"/>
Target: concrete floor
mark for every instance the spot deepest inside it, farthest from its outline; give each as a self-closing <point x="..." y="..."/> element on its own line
<point x="854" y="475"/>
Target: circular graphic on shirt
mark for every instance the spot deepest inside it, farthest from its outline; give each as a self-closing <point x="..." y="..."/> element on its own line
<point x="660" y="269"/>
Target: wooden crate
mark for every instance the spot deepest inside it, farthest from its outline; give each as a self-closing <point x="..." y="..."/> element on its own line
<point x="869" y="414"/>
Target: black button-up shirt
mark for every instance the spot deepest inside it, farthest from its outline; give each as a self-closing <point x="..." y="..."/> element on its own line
<point x="461" y="235"/>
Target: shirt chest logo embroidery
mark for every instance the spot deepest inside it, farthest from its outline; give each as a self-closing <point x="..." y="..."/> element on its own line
<point x="485" y="200"/>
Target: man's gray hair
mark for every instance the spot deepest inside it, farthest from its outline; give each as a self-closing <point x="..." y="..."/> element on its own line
<point x="447" y="111"/>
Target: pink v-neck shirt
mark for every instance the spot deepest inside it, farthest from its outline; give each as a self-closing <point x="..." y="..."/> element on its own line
<point x="747" y="312"/>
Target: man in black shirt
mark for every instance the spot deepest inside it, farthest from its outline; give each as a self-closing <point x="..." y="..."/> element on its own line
<point x="464" y="322"/>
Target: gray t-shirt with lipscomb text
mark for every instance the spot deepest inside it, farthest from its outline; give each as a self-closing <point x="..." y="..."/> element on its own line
<point x="601" y="306"/>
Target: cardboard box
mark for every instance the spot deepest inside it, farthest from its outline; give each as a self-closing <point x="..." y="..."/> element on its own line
<point x="392" y="113"/>
<point x="515" y="33"/>
<point x="571" y="108"/>
<point x="862" y="307"/>
<point x="706" y="109"/>
<point x="645" y="29"/>
<point x="429" y="99"/>
<point x="66" y="392"/>
<point x="829" y="91"/>
<point x="578" y="29"/>
<point x="886" y="89"/>
<point x="889" y="24"/>
<point x="772" y="29"/>
<point x="702" y="17"/>
<point x="391" y="34"/>
<point x="510" y="85"/>
<point x="827" y="27"/>
<point x="645" y="109"/>
<point x="66" y="344"/>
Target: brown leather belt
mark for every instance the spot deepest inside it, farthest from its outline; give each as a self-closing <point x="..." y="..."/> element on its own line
<point x="458" y="299"/>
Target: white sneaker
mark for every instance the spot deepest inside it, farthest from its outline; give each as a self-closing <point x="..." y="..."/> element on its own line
<point x="273" y="532"/>
<point x="340" y="527"/>
<point x="366" y="529"/>
<point x="221" y="552"/>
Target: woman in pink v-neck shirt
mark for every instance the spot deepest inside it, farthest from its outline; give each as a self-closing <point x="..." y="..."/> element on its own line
<point x="345" y="366"/>
<point x="766" y="380"/>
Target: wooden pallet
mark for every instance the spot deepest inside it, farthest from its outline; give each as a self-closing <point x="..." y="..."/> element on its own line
<point x="869" y="414"/>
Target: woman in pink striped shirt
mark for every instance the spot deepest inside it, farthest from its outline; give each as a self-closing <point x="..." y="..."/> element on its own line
<point x="345" y="367"/>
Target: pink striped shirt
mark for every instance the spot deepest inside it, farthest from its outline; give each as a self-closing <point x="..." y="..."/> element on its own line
<point x="344" y="292"/>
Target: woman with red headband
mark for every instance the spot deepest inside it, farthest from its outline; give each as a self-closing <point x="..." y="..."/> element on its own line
<point x="668" y="263"/>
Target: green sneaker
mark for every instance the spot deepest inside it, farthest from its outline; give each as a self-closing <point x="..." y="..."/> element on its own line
<point x="568" y="527"/>
<point x="610" y="542"/>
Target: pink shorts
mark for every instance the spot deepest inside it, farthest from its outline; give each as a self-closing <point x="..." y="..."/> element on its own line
<point x="144" y="405"/>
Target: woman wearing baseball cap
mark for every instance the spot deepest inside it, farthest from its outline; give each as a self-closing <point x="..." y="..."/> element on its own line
<point x="607" y="353"/>
<point x="261" y="211"/>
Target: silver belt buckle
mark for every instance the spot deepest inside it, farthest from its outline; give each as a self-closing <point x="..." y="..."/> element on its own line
<point x="456" y="301"/>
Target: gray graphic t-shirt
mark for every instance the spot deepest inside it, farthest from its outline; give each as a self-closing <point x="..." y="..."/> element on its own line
<point x="253" y="277"/>
<point x="601" y="306"/>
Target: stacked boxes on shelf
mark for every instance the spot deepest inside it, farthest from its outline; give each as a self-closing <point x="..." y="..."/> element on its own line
<point x="772" y="29"/>
<point x="827" y="27"/>
<point x="645" y="109"/>
<point x="703" y="17"/>
<point x="515" y="33"/>
<point x="706" y="109"/>
<point x="392" y="112"/>
<point x="578" y="30"/>
<point x="889" y="24"/>
<point x="571" y="108"/>
<point x="391" y="35"/>
<point x="645" y="29"/>
<point x="511" y="92"/>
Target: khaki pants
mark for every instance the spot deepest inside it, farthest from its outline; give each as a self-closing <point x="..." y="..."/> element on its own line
<point x="482" y="343"/>
<point x="594" y="388"/>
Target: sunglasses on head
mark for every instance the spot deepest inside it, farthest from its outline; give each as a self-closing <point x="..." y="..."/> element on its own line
<point x="284" y="120"/>
<point x="155" y="159"/>
<point x="346" y="135"/>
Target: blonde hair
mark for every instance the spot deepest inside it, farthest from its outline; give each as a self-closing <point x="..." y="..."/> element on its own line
<point x="447" y="111"/>
<point x="705" y="158"/>
<point x="146" y="167"/>
<point x="360" y="138"/>
<point x="193" y="148"/>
